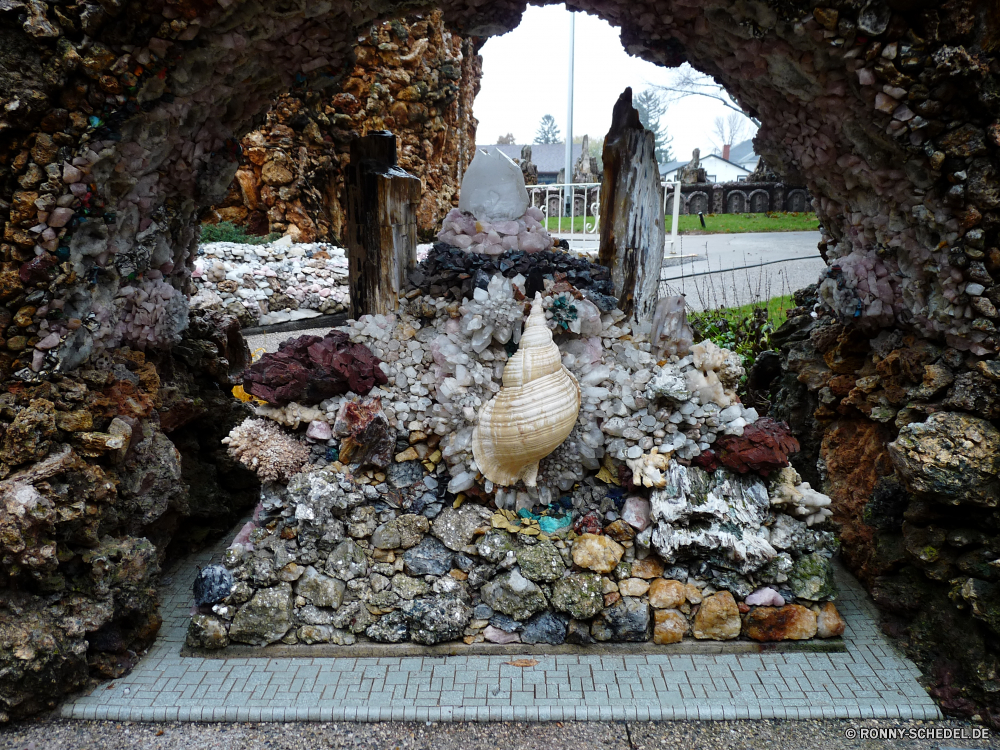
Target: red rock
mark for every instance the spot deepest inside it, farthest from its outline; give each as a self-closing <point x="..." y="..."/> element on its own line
<point x="763" y="447"/>
<point x="588" y="524"/>
<point x="309" y="369"/>
<point x="368" y="436"/>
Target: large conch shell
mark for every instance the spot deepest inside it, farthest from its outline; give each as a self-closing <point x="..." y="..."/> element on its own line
<point x="533" y="413"/>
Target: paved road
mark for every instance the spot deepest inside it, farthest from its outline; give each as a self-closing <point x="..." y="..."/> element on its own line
<point x="869" y="680"/>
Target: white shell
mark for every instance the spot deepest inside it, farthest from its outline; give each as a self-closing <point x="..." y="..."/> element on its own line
<point x="533" y="413"/>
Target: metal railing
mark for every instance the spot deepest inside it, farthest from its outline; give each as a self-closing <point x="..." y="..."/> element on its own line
<point x="574" y="209"/>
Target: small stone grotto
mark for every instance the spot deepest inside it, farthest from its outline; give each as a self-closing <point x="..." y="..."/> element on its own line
<point x="120" y="122"/>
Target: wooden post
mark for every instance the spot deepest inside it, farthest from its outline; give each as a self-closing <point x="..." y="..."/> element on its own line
<point x="381" y="233"/>
<point x="631" y="212"/>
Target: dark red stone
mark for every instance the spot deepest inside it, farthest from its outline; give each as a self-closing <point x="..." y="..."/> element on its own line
<point x="588" y="524"/>
<point x="309" y="369"/>
<point x="36" y="271"/>
<point x="763" y="447"/>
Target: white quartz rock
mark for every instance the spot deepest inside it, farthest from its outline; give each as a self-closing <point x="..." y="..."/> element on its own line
<point x="493" y="188"/>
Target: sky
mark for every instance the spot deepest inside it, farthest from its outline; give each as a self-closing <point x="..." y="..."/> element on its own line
<point x="525" y="76"/>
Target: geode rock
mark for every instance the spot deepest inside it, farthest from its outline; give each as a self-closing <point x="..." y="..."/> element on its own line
<point x="265" y="618"/>
<point x="309" y="369"/>
<point x="951" y="458"/>
<point x="544" y="628"/>
<point x="627" y="620"/>
<point x="457" y="527"/>
<point x="579" y="594"/>
<point x="514" y="595"/>
<point x="212" y="585"/>
<point x="540" y="562"/>
<point x="429" y="558"/>
<point x="436" y="619"/>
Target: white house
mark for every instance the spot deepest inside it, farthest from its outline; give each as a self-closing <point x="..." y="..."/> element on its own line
<point x="716" y="168"/>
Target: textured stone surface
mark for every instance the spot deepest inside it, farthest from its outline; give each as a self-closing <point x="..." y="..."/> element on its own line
<point x="430" y="557"/>
<point x="208" y="632"/>
<point x="265" y="618"/>
<point x="541" y="562"/>
<point x="669" y="626"/>
<point x="514" y="595"/>
<point x="829" y="623"/>
<point x="792" y="622"/>
<point x="212" y="585"/>
<point x="436" y="619"/>
<point x="628" y="620"/>
<point x="666" y="594"/>
<point x="952" y="458"/>
<point x="456" y="527"/>
<point x="321" y="590"/>
<point x="544" y="628"/>
<point x="579" y="594"/>
<point x="718" y="618"/>
<point x="598" y="553"/>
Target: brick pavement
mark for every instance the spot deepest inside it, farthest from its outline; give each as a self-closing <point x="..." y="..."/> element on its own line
<point x="869" y="680"/>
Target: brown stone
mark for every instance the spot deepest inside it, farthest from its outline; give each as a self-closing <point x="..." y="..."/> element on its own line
<point x="854" y="452"/>
<point x="620" y="531"/>
<point x="826" y="17"/>
<point x="277" y="170"/>
<point x="718" y="618"/>
<point x="793" y="622"/>
<point x="598" y="553"/>
<point x="666" y="594"/>
<point x="669" y="626"/>
<point x="611" y="597"/>
<point x="22" y="207"/>
<point x="648" y="568"/>
<point x="45" y="149"/>
<point x="692" y="593"/>
<point x="829" y="623"/>
<point x="74" y="421"/>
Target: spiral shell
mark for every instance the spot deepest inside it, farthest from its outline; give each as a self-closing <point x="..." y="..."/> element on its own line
<point x="533" y="413"/>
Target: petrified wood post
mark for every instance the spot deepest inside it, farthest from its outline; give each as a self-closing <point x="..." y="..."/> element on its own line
<point x="382" y="202"/>
<point x="631" y="211"/>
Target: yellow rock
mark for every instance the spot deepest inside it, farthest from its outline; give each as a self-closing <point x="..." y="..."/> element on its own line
<point x="410" y="454"/>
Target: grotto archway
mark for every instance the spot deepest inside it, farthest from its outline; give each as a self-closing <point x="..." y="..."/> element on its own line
<point x="120" y="122"/>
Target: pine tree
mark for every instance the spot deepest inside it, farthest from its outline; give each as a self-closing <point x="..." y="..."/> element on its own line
<point x="651" y="109"/>
<point x="548" y="131"/>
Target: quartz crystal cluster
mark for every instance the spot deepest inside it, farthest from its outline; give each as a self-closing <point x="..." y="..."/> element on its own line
<point x="493" y="215"/>
<point x="271" y="283"/>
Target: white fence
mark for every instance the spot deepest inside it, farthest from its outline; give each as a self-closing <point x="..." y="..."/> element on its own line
<point x="572" y="210"/>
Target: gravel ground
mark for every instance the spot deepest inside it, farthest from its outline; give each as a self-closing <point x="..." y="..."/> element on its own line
<point x="269" y="342"/>
<point x="47" y="734"/>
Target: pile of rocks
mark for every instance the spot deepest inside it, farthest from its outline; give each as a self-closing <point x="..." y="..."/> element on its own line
<point x="390" y="532"/>
<point x="271" y="283"/>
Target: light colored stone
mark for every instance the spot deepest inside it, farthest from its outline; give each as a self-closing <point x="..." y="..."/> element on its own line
<point x="666" y="594"/>
<point x="829" y="623"/>
<point x="633" y="587"/>
<point x="718" y="618"/>
<point x="597" y="552"/>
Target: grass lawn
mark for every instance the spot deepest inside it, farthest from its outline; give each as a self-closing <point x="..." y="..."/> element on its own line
<point x="716" y="223"/>
<point x="777" y="311"/>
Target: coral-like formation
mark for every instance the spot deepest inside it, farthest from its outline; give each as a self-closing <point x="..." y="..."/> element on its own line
<point x="797" y="498"/>
<point x="309" y="369"/>
<point x="262" y="447"/>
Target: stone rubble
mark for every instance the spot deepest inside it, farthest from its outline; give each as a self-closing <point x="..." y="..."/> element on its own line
<point x="270" y="283"/>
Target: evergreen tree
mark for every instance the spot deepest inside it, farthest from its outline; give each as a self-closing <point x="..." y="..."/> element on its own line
<point x="548" y="131"/>
<point x="651" y="109"/>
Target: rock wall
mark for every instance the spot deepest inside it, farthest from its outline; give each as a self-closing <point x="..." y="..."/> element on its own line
<point x="416" y="78"/>
<point x="904" y="434"/>
<point x="121" y="123"/>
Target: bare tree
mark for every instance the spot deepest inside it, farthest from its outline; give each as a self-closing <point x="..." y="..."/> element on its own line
<point x="689" y="82"/>
<point x="506" y="139"/>
<point x="729" y="130"/>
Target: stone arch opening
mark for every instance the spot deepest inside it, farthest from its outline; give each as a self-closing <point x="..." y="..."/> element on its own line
<point x="736" y="202"/>
<point x="760" y="201"/>
<point x="797" y="201"/>
<point x="697" y="202"/>
<point x="120" y="122"/>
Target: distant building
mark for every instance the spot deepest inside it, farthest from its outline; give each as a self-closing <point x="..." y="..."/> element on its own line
<point x="744" y="155"/>
<point x="716" y="169"/>
<point x="550" y="158"/>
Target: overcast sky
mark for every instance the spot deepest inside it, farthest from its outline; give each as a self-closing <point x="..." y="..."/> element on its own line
<point x="525" y="77"/>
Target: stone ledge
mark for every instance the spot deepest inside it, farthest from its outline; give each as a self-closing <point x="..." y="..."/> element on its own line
<point x="376" y="650"/>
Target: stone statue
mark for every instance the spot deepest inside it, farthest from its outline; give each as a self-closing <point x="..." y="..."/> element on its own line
<point x="585" y="170"/>
<point x="528" y="168"/>
<point x="693" y="173"/>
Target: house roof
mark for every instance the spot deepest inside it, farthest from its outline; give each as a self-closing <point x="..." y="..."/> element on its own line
<point x="548" y="157"/>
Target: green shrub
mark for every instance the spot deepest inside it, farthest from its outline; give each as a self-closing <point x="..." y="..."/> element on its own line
<point x="226" y="231"/>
